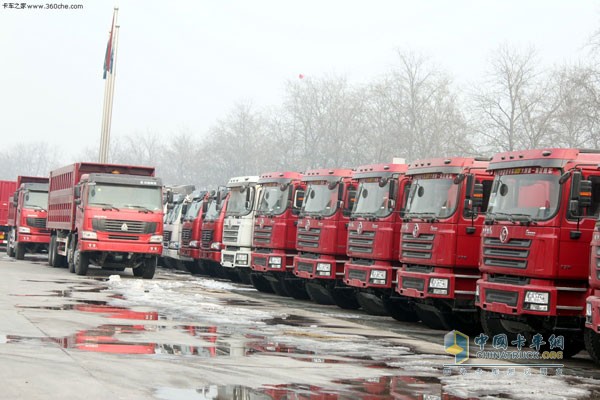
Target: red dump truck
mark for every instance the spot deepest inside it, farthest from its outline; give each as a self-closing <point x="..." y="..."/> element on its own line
<point x="27" y="215"/>
<point x="274" y="241"/>
<point x="192" y="216"/>
<point x="373" y="237"/>
<point x="211" y="239"/>
<point x="322" y="236"/>
<point x="105" y="214"/>
<point x="536" y="244"/>
<point x="7" y="188"/>
<point x="439" y="245"/>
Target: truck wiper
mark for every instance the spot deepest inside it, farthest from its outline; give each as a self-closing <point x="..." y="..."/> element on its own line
<point x="38" y="208"/>
<point x="508" y="216"/>
<point x="106" y="206"/>
<point x="141" y="208"/>
<point x="527" y="217"/>
<point x="424" y="216"/>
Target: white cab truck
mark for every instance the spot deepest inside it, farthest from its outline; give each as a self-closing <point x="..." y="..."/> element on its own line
<point x="172" y="227"/>
<point x="238" y="226"/>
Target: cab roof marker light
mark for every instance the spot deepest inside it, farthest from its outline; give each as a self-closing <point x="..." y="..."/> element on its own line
<point x="546" y="153"/>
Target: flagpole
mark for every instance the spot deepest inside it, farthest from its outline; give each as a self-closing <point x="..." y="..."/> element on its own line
<point x="113" y="75"/>
<point x="108" y="92"/>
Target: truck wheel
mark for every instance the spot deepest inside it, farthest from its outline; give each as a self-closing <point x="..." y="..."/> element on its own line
<point x="295" y="287"/>
<point x="51" y="251"/>
<point x="260" y="283"/>
<point x="9" y="250"/>
<point x="345" y="298"/>
<point x="278" y="288"/>
<point x="592" y="344"/>
<point x="244" y="274"/>
<point x="82" y="262"/>
<point x="318" y="294"/>
<point x="371" y="304"/>
<point x="431" y="319"/>
<point x="195" y="267"/>
<point x="148" y="270"/>
<point x="399" y="310"/>
<point x="19" y="251"/>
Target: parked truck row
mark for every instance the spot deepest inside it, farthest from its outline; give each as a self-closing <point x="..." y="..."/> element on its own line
<point x="504" y="245"/>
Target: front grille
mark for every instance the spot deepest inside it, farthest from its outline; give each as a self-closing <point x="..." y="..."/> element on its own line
<point x="230" y="233"/>
<point x="207" y="238"/>
<point x="262" y="235"/>
<point x="359" y="274"/>
<point x="417" y="247"/>
<point x="166" y="237"/>
<point x="186" y="236"/>
<point x="361" y="243"/>
<point x="305" y="267"/>
<point x="512" y="254"/>
<point x="413" y="283"/>
<point x="228" y="258"/>
<point x="309" y="238"/>
<point x="508" y="279"/>
<point x="123" y="226"/>
<point x="36" y="222"/>
<point x="498" y="296"/>
<point x="123" y="237"/>
<point x="260" y="261"/>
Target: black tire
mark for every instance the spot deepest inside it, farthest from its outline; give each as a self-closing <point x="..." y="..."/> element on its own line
<point x="147" y="270"/>
<point x="19" y="251"/>
<point x="244" y="274"/>
<point x="71" y="256"/>
<point x="232" y="275"/>
<point x="592" y="344"/>
<point x="431" y="319"/>
<point x="9" y="250"/>
<point x="51" y="251"/>
<point x="260" y="283"/>
<point x="371" y="304"/>
<point x="345" y="298"/>
<point x="278" y="288"/>
<point x="82" y="262"/>
<point x="399" y="310"/>
<point x="573" y="346"/>
<point x="318" y="294"/>
<point x="195" y="267"/>
<point x="493" y="326"/>
<point x="295" y="287"/>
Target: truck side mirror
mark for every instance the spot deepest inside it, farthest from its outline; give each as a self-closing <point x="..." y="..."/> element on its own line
<point x="77" y="192"/>
<point x="581" y="193"/>
<point x="16" y="198"/>
<point x="184" y="208"/>
<point x="204" y="207"/>
<point x="170" y="197"/>
<point x="170" y="206"/>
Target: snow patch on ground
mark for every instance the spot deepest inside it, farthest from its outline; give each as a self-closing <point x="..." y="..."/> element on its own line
<point x="518" y="386"/>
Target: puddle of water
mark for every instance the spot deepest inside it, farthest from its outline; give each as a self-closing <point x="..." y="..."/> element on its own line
<point x="291" y="320"/>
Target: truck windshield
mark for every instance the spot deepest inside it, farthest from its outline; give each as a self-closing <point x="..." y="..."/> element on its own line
<point x="372" y="199"/>
<point x="273" y="200"/>
<point x="193" y="210"/>
<point x="320" y="200"/>
<point x="432" y="197"/>
<point x="530" y="196"/>
<point x="37" y="200"/>
<point x="174" y="214"/>
<point x="240" y="201"/>
<point x="120" y="196"/>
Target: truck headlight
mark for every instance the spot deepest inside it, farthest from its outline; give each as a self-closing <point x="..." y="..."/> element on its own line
<point x="88" y="235"/>
<point x="378" y="274"/>
<point x="215" y="246"/>
<point x="195" y="244"/>
<point x="324" y="267"/>
<point x="174" y="245"/>
<point x="537" y="297"/>
<point x="588" y="309"/>
<point x="241" y="259"/>
<point x="275" y="260"/>
<point x="477" y="290"/>
<point x="438" y="283"/>
<point x="24" y="229"/>
<point x="156" y="239"/>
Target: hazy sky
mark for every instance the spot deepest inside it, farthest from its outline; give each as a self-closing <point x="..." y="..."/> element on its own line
<point x="183" y="64"/>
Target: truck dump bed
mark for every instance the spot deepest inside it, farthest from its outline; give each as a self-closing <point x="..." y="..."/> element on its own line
<point x="61" y="205"/>
<point x="7" y="188"/>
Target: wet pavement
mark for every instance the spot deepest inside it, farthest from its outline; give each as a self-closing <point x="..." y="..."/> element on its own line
<point x="186" y="337"/>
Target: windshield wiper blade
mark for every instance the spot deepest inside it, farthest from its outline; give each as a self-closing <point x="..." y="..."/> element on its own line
<point x="38" y="208"/>
<point x="105" y="206"/>
<point x="422" y="215"/>
<point x="141" y="208"/>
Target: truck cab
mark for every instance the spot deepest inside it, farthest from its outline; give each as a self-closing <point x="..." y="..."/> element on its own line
<point x="238" y="227"/>
<point x="107" y="215"/>
<point x="27" y="215"/>
<point x="172" y="226"/>
<point x="274" y="240"/>
<point x="536" y="243"/>
<point x="191" y="227"/>
<point x="374" y="234"/>
<point x="211" y="241"/>
<point x="439" y="244"/>
<point x="322" y="236"/>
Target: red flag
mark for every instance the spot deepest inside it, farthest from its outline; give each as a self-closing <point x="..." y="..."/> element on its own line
<point x="108" y="57"/>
